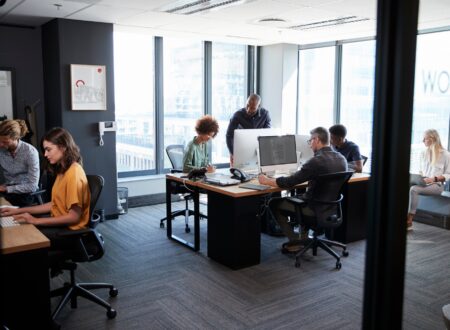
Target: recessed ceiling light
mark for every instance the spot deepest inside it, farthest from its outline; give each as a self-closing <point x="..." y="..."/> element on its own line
<point x="272" y="21"/>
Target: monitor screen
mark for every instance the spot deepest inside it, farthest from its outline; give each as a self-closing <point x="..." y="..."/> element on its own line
<point x="277" y="153"/>
<point x="304" y="151"/>
<point x="246" y="147"/>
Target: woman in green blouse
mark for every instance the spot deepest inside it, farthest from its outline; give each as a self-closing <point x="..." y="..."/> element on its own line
<point x="196" y="154"/>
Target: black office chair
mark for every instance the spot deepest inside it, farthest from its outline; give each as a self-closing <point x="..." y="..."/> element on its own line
<point x="364" y="159"/>
<point x="87" y="247"/>
<point x="327" y="214"/>
<point x="175" y="153"/>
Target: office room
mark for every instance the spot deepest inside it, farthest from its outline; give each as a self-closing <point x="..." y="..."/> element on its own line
<point x="165" y="64"/>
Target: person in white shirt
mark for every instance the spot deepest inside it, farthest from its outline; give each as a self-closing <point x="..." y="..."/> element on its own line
<point x="434" y="167"/>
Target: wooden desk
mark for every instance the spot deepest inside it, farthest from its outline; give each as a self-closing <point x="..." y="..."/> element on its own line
<point x="234" y="227"/>
<point x="25" y="288"/>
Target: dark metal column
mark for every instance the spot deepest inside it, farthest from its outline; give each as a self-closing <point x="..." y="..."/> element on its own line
<point x="388" y="192"/>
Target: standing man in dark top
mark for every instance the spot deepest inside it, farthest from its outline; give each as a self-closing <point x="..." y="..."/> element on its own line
<point x="252" y="116"/>
<point x="347" y="148"/>
<point x="325" y="161"/>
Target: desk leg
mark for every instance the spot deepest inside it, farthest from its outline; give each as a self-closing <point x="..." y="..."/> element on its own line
<point x="170" y="235"/>
<point x="196" y="199"/>
<point x="168" y="209"/>
<point x="354" y="208"/>
<point x="234" y="230"/>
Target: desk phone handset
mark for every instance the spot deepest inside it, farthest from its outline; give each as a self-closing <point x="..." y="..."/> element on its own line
<point x="196" y="173"/>
<point x="239" y="175"/>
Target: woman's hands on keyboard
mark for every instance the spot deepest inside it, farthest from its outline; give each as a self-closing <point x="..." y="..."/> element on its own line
<point x="25" y="218"/>
<point x="9" y="211"/>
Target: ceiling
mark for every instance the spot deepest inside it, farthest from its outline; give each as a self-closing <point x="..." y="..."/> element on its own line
<point x="239" y="21"/>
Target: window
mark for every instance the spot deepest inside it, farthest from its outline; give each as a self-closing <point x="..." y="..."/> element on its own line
<point x="228" y="91"/>
<point x="183" y="90"/>
<point x="357" y="93"/>
<point x="316" y="88"/>
<point x="432" y="91"/>
<point x="133" y="80"/>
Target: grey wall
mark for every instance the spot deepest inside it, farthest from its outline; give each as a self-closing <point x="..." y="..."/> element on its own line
<point x="66" y="42"/>
<point x="20" y="49"/>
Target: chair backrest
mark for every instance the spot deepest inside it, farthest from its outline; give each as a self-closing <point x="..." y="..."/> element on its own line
<point x="90" y="242"/>
<point x="96" y="183"/>
<point x="326" y="199"/>
<point x="364" y="159"/>
<point x="175" y="153"/>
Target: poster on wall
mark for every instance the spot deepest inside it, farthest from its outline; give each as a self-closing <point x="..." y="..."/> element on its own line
<point x="88" y="87"/>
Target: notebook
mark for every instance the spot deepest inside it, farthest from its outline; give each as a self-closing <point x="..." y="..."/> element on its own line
<point x="416" y="180"/>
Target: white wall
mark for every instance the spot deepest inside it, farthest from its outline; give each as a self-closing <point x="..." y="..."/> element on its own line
<point x="279" y="84"/>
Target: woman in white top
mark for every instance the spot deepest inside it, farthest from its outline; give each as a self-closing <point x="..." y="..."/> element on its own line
<point x="434" y="167"/>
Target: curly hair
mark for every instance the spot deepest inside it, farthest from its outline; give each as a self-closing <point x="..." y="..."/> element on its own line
<point x="207" y="125"/>
<point x="62" y="138"/>
<point x="13" y="128"/>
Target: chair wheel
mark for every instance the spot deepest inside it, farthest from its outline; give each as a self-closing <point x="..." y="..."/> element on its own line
<point x="297" y="263"/>
<point x="161" y="225"/>
<point x="338" y="265"/>
<point x="111" y="313"/>
<point x="345" y="253"/>
<point x="187" y="230"/>
<point x="113" y="292"/>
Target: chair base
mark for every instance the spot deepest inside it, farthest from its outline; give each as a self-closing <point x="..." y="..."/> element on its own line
<point x="324" y="244"/>
<point x="70" y="292"/>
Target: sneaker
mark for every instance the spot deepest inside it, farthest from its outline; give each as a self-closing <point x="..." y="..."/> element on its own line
<point x="409" y="226"/>
<point x="409" y="222"/>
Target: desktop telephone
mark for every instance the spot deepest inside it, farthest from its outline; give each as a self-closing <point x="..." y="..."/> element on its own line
<point x="239" y="175"/>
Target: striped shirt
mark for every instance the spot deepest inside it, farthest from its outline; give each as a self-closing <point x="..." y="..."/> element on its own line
<point x="20" y="173"/>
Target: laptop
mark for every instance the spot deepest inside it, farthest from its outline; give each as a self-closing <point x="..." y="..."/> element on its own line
<point x="220" y="179"/>
<point x="416" y="180"/>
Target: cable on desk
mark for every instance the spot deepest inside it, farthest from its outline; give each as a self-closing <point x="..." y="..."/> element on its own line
<point x="185" y="186"/>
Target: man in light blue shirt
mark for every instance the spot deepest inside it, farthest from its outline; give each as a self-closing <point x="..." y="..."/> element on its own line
<point x="19" y="164"/>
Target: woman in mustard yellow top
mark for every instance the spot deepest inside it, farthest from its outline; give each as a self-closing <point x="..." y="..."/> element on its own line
<point x="69" y="207"/>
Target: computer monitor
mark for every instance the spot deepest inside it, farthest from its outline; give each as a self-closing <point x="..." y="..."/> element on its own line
<point x="304" y="151"/>
<point x="245" y="147"/>
<point x="277" y="153"/>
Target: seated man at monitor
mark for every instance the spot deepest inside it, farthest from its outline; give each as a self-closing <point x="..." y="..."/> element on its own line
<point x="325" y="161"/>
<point x="252" y="116"/>
<point x="347" y="148"/>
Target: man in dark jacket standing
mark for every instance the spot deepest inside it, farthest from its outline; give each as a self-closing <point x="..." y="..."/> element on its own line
<point x="252" y="116"/>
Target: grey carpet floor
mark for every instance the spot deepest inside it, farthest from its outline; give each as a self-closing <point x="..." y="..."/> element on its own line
<point x="163" y="285"/>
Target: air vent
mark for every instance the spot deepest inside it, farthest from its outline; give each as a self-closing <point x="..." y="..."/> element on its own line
<point x="189" y="7"/>
<point x="271" y="20"/>
<point x="328" y="23"/>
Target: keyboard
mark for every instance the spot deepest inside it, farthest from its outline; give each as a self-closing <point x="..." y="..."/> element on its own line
<point x="8" y="222"/>
<point x="254" y="186"/>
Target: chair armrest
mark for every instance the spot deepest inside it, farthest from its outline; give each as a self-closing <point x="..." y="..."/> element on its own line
<point x="38" y="192"/>
<point x="74" y="233"/>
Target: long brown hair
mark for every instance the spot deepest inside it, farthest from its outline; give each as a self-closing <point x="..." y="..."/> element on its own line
<point x="62" y="138"/>
<point x="13" y="128"/>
